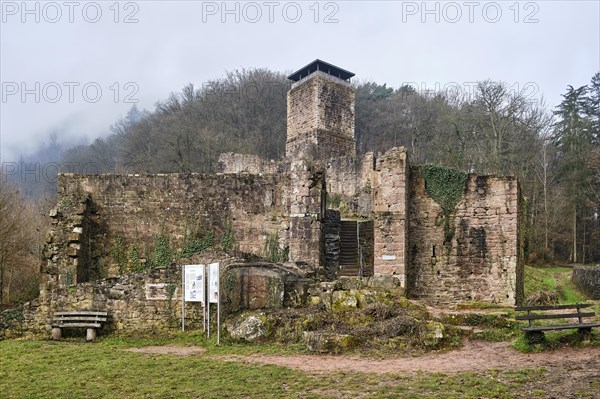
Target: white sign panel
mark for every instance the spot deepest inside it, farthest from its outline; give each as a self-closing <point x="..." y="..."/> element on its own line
<point x="213" y="283"/>
<point x="194" y="283"/>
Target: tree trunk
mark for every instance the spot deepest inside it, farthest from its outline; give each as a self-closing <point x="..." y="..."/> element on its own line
<point x="1" y="281"/>
<point x="8" y="286"/>
<point x="545" y="200"/>
<point x="575" y="234"/>
<point x="583" y="241"/>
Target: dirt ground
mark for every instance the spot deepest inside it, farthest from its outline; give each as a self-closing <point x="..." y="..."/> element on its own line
<point x="474" y="356"/>
<point x="169" y="350"/>
<point x="569" y="370"/>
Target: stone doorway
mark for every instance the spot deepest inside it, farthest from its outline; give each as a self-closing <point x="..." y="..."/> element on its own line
<point x="356" y="248"/>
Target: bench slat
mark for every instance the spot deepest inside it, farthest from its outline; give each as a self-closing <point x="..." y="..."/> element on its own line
<point x="561" y="327"/>
<point x="551" y="307"/>
<point x="554" y="316"/>
<point x="79" y="325"/>
<point x="81" y="313"/>
<point x="79" y="318"/>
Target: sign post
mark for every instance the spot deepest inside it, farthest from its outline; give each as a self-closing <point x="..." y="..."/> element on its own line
<point x="193" y="283"/>
<point x="214" y="295"/>
<point x="183" y="298"/>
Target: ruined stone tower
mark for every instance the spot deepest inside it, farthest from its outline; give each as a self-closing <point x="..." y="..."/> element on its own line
<point x="320" y="112"/>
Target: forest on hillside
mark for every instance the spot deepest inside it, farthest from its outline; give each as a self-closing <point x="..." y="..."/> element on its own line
<point x="491" y="129"/>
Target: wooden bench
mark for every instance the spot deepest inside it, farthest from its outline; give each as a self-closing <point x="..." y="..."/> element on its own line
<point x="92" y="320"/>
<point x="535" y="333"/>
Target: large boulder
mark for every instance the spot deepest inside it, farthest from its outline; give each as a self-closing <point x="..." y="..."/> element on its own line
<point x="248" y="327"/>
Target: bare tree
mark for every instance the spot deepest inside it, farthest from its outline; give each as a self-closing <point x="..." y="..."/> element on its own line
<point x="11" y="239"/>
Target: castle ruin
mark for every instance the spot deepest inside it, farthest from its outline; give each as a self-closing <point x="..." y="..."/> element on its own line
<point x="324" y="208"/>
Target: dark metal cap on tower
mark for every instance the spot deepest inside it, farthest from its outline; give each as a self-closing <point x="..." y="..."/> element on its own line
<point x="318" y="65"/>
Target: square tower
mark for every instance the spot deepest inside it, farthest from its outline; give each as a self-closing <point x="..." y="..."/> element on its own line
<point x="320" y="112"/>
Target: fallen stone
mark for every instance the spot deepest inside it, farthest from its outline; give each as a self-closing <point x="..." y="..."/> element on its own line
<point x="328" y="342"/>
<point x="344" y="300"/>
<point x="433" y="334"/>
<point x="249" y="328"/>
<point x="54" y="213"/>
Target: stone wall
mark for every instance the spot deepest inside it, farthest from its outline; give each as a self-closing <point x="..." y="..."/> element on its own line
<point x="68" y="242"/>
<point x="481" y="262"/>
<point x="349" y="180"/>
<point x="390" y="213"/>
<point x="307" y="198"/>
<point x="230" y="162"/>
<point x="97" y="214"/>
<point x="137" y="303"/>
<point x="343" y="176"/>
<point x="587" y="280"/>
<point x="150" y="301"/>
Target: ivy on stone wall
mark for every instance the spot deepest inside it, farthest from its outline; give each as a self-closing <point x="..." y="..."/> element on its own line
<point x="333" y="200"/>
<point x="97" y="272"/>
<point x="162" y="251"/>
<point x="69" y="278"/>
<point x="272" y="250"/>
<point x="118" y="254"/>
<point x="135" y="261"/>
<point x="446" y="187"/>
<point x="198" y="236"/>
<point x="227" y="240"/>
<point x="336" y="201"/>
<point x="192" y="246"/>
<point x="147" y="260"/>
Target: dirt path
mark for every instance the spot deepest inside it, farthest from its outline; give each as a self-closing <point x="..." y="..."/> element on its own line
<point x="473" y="356"/>
<point x="169" y="350"/>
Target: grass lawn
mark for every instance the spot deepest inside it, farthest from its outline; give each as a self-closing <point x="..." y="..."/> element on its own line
<point x="555" y="279"/>
<point x="70" y="369"/>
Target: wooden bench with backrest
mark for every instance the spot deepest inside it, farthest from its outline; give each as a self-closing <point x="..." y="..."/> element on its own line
<point x="90" y="319"/>
<point x="535" y="332"/>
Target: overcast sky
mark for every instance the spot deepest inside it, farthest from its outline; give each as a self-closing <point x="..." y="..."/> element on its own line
<point x="76" y="67"/>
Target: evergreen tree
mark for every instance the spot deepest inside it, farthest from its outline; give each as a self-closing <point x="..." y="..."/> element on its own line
<point x="592" y="108"/>
<point x="572" y="137"/>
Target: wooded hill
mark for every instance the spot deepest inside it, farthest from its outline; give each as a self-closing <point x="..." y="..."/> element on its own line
<point x="492" y="129"/>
